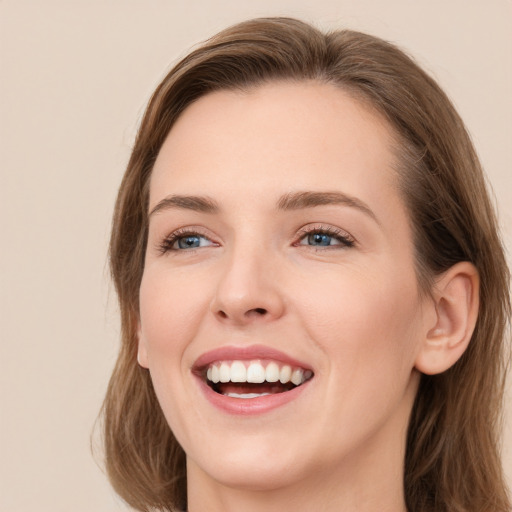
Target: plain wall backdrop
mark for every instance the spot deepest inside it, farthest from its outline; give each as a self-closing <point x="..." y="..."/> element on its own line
<point x="75" y="77"/>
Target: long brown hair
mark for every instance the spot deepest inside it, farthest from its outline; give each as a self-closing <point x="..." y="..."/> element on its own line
<point x="452" y="457"/>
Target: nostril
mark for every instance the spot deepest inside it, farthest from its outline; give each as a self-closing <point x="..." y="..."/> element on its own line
<point x="250" y="312"/>
<point x="242" y="316"/>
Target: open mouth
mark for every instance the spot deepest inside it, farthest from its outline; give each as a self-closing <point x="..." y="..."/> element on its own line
<point x="253" y="379"/>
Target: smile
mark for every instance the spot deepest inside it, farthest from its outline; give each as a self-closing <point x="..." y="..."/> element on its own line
<point x="253" y="379"/>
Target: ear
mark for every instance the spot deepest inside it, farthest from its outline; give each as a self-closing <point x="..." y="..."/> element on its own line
<point x="142" y="354"/>
<point x="456" y="301"/>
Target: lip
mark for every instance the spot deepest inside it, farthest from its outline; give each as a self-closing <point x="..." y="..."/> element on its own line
<point x="248" y="406"/>
<point x="253" y="352"/>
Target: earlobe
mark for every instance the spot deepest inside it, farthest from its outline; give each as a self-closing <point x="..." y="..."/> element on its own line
<point x="456" y="297"/>
<point x="142" y="355"/>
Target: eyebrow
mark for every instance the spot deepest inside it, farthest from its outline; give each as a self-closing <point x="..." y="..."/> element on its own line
<point x="287" y="202"/>
<point x="300" y="200"/>
<point x="197" y="203"/>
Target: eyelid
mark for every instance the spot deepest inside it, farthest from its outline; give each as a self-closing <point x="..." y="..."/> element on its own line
<point x="165" y="245"/>
<point x="340" y="234"/>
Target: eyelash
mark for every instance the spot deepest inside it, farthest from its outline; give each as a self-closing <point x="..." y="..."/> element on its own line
<point x="167" y="244"/>
<point x="346" y="241"/>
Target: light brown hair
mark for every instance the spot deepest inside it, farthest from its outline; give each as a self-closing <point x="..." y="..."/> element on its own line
<point x="452" y="457"/>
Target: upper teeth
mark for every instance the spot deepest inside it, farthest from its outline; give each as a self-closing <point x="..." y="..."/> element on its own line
<point x="255" y="372"/>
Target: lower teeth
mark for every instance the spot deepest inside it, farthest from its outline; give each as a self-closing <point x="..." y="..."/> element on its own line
<point x="246" y="395"/>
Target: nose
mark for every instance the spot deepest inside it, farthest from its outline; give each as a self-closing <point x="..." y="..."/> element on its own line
<point x="248" y="290"/>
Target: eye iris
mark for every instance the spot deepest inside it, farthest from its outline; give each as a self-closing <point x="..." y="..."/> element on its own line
<point x="189" y="242"/>
<point x="319" y="239"/>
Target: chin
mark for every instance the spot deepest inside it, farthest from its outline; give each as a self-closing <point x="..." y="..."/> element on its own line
<point x="252" y="466"/>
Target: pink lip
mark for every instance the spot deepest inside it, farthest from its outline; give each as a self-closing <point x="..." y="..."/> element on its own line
<point x="252" y="352"/>
<point x="247" y="406"/>
<point x="250" y="406"/>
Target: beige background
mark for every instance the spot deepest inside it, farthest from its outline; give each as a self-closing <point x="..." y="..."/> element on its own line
<point x="75" y="76"/>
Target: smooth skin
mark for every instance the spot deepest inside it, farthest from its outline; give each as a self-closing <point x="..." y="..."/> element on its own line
<point x="254" y="270"/>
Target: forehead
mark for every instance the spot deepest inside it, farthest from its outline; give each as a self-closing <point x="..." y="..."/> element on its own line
<point x="277" y="136"/>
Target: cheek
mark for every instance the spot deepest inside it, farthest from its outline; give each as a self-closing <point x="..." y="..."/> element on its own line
<point x="368" y="330"/>
<point x="171" y="308"/>
<point x="366" y="324"/>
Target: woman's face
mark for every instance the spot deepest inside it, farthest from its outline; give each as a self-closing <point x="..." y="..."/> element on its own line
<point x="279" y="248"/>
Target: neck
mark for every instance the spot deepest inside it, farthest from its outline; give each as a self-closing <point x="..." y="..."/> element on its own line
<point x="303" y="499"/>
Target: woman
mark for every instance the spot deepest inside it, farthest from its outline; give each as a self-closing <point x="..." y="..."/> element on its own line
<point x="314" y="295"/>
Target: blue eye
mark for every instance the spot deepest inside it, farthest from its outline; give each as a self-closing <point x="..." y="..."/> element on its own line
<point x="188" y="242"/>
<point x="191" y="241"/>
<point x="326" y="238"/>
<point x="321" y="239"/>
<point x="182" y="241"/>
